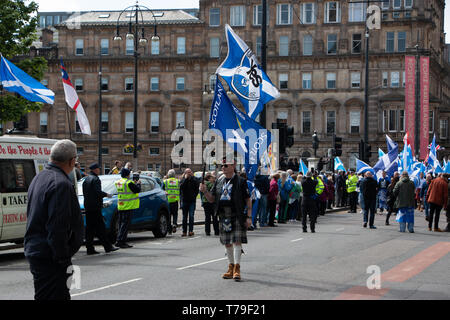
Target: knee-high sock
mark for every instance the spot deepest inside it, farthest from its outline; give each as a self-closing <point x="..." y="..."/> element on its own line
<point x="237" y="253"/>
<point x="230" y="254"/>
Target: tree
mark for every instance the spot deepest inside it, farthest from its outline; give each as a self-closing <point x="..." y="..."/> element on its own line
<point x="18" y="23"/>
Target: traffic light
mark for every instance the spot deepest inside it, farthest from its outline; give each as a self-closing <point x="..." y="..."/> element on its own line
<point x="337" y="146"/>
<point x="281" y="136"/>
<point x="289" y="137"/>
<point x="367" y="152"/>
<point x="361" y="150"/>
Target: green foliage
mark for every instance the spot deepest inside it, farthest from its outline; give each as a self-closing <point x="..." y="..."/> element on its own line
<point x="18" y="23"/>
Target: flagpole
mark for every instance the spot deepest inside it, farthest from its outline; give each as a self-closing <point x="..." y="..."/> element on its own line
<point x="68" y="121"/>
<point x="262" y="116"/>
<point x="100" y="113"/>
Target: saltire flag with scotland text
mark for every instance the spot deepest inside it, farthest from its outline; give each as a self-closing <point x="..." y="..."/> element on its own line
<point x="18" y="81"/>
<point x="241" y="132"/>
<point x="245" y="76"/>
<point x="74" y="102"/>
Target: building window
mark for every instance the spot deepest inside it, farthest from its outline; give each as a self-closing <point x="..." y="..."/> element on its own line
<point x="43" y="120"/>
<point x="154" y="84"/>
<point x="129" y="121"/>
<point x="154" y="122"/>
<point x="154" y="151"/>
<point x="79" y="47"/>
<point x="397" y="4"/>
<point x="332" y="14"/>
<point x="356" y="43"/>
<point x="401" y="120"/>
<point x="392" y="120"/>
<point x="77" y="125"/>
<point x="356" y="12"/>
<point x="106" y="168"/>
<point x="395" y="79"/>
<point x="181" y="45"/>
<point x="390" y="41"/>
<point x="356" y="79"/>
<point x="408" y="4"/>
<point x="214" y="47"/>
<point x="355" y="120"/>
<point x="180" y="120"/>
<point x="129" y="84"/>
<point x="105" y="150"/>
<point x="332" y="44"/>
<point x="401" y="41"/>
<point x="155" y="47"/>
<point x="431" y="126"/>
<point x="56" y="20"/>
<point x="180" y="84"/>
<point x="385" y="80"/>
<point x="307" y="81"/>
<point x="307" y="45"/>
<point x="385" y="5"/>
<point x="283" y="81"/>
<point x="80" y="151"/>
<point x="331" y="122"/>
<point x="403" y="80"/>
<point x="49" y="21"/>
<point x="308" y="14"/>
<point x="395" y="15"/>
<point x="331" y="80"/>
<point x="257" y="15"/>
<point x="150" y="166"/>
<point x="104" y="47"/>
<point x="237" y="16"/>
<point x="284" y="46"/>
<point x="105" y="122"/>
<point x="212" y="82"/>
<point x="214" y="17"/>
<point x="129" y="47"/>
<point x="443" y="128"/>
<point x="42" y="21"/>
<point x="284" y="13"/>
<point x="306" y="122"/>
<point x="79" y="84"/>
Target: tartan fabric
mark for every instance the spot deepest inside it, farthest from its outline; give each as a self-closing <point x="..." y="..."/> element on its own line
<point x="238" y="234"/>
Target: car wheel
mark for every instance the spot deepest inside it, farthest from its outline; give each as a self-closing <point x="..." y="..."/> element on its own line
<point x="114" y="228"/>
<point x="162" y="225"/>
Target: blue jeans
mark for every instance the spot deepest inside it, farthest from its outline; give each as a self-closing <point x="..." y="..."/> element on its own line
<point x="262" y="210"/>
<point x="293" y="210"/>
<point x="188" y="209"/>
<point x="255" y="206"/>
<point x="426" y="206"/>
<point x="403" y="226"/>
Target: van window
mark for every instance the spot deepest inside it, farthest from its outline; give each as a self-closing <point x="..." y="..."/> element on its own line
<point x="16" y="175"/>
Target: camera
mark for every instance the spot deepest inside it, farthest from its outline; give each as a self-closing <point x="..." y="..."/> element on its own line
<point x="136" y="176"/>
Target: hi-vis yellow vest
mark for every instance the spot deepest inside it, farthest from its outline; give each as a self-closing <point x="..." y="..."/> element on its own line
<point x="319" y="186"/>
<point x="172" y="186"/>
<point x="351" y="183"/>
<point x="127" y="200"/>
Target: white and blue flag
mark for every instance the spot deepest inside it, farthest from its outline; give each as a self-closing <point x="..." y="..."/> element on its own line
<point x="241" y="132"/>
<point x="338" y="165"/>
<point x="16" y="80"/>
<point x="447" y="167"/>
<point x="432" y="158"/>
<point x="380" y="153"/>
<point x="391" y="144"/>
<point x="387" y="163"/>
<point x="245" y="77"/>
<point x="302" y="167"/>
<point x="362" y="167"/>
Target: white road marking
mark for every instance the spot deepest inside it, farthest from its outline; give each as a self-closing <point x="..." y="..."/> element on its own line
<point x="200" y="264"/>
<point x="193" y="238"/>
<point x="297" y="240"/>
<point x="106" y="287"/>
<point x="340" y="229"/>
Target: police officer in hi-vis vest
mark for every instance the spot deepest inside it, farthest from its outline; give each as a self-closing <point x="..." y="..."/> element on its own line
<point x="172" y="188"/>
<point x="351" y="190"/>
<point x="128" y="202"/>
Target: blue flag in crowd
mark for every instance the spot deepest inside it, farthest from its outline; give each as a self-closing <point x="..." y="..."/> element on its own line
<point x="447" y="167"/>
<point x="16" y="80"/>
<point x="380" y="153"/>
<point x="391" y="144"/>
<point x="241" y="132"/>
<point x="338" y="165"/>
<point x="302" y="167"/>
<point x="245" y="77"/>
<point x="362" y="167"/>
<point x="438" y="169"/>
<point x="387" y="163"/>
<point x="432" y="158"/>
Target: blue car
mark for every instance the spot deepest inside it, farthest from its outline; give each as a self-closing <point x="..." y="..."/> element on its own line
<point x="153" y="212"/>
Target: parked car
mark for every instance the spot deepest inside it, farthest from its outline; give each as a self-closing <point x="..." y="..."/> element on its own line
<point x="153" y="212"/>
<point x="154" y="174"/>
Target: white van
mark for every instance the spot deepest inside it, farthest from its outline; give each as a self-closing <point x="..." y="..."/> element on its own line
<point x="21" y="158"/>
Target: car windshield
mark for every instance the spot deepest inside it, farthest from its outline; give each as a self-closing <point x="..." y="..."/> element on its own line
<point x="108" y="184"/>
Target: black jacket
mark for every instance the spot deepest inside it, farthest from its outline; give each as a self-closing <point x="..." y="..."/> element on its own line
<point x="189" y="189"/>
<point x="309" y="187"/>
<point x="55" y="228"/>
<point x="93" y="194"/>
<point x="369" y="189"/>
<point x="262" y="183"/>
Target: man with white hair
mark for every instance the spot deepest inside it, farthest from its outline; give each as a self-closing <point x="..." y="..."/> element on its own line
<point x="55" y="227"/>
<point x="172" y="187"/>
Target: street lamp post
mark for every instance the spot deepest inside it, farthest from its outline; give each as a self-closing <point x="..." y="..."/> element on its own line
<point x="134" y="35"/>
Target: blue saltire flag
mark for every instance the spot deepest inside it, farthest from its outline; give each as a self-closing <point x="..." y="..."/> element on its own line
<point x="438" y="169"/>
<point x="407" y="158"/>
<point x="387" y="163"/>
<point x="16" y="80"/>
<point x="447" y="167"/>
<point x="241" y="132"/>
<point x="362" y="167"/>
<point x="380" y="153"/>
<point x="391" y="144"/>
<point x="244" y="75"/>
<point x="338" y="165"/>
<point x="302" y="167"/>
<point x="432" y="158"/>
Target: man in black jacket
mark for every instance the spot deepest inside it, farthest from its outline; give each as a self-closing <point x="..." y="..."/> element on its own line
<point x="340" y="187"/>
<point x="369" y="189"/>
<point x="188" y="194"/>
<point x="55" y="229"/>
<point x="93" y="204"/>
<point x="309" y="206"/>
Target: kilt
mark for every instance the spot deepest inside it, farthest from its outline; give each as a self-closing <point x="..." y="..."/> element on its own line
<point x="238" y="232"/>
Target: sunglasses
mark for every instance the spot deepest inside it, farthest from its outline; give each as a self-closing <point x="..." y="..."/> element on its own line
<point x="224" y="166"/>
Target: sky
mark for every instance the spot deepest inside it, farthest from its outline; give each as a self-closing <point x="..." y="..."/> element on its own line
<point x="86" y="5"/>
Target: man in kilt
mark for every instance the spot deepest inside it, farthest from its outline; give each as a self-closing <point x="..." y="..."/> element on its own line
<point x="230" y="196"/>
